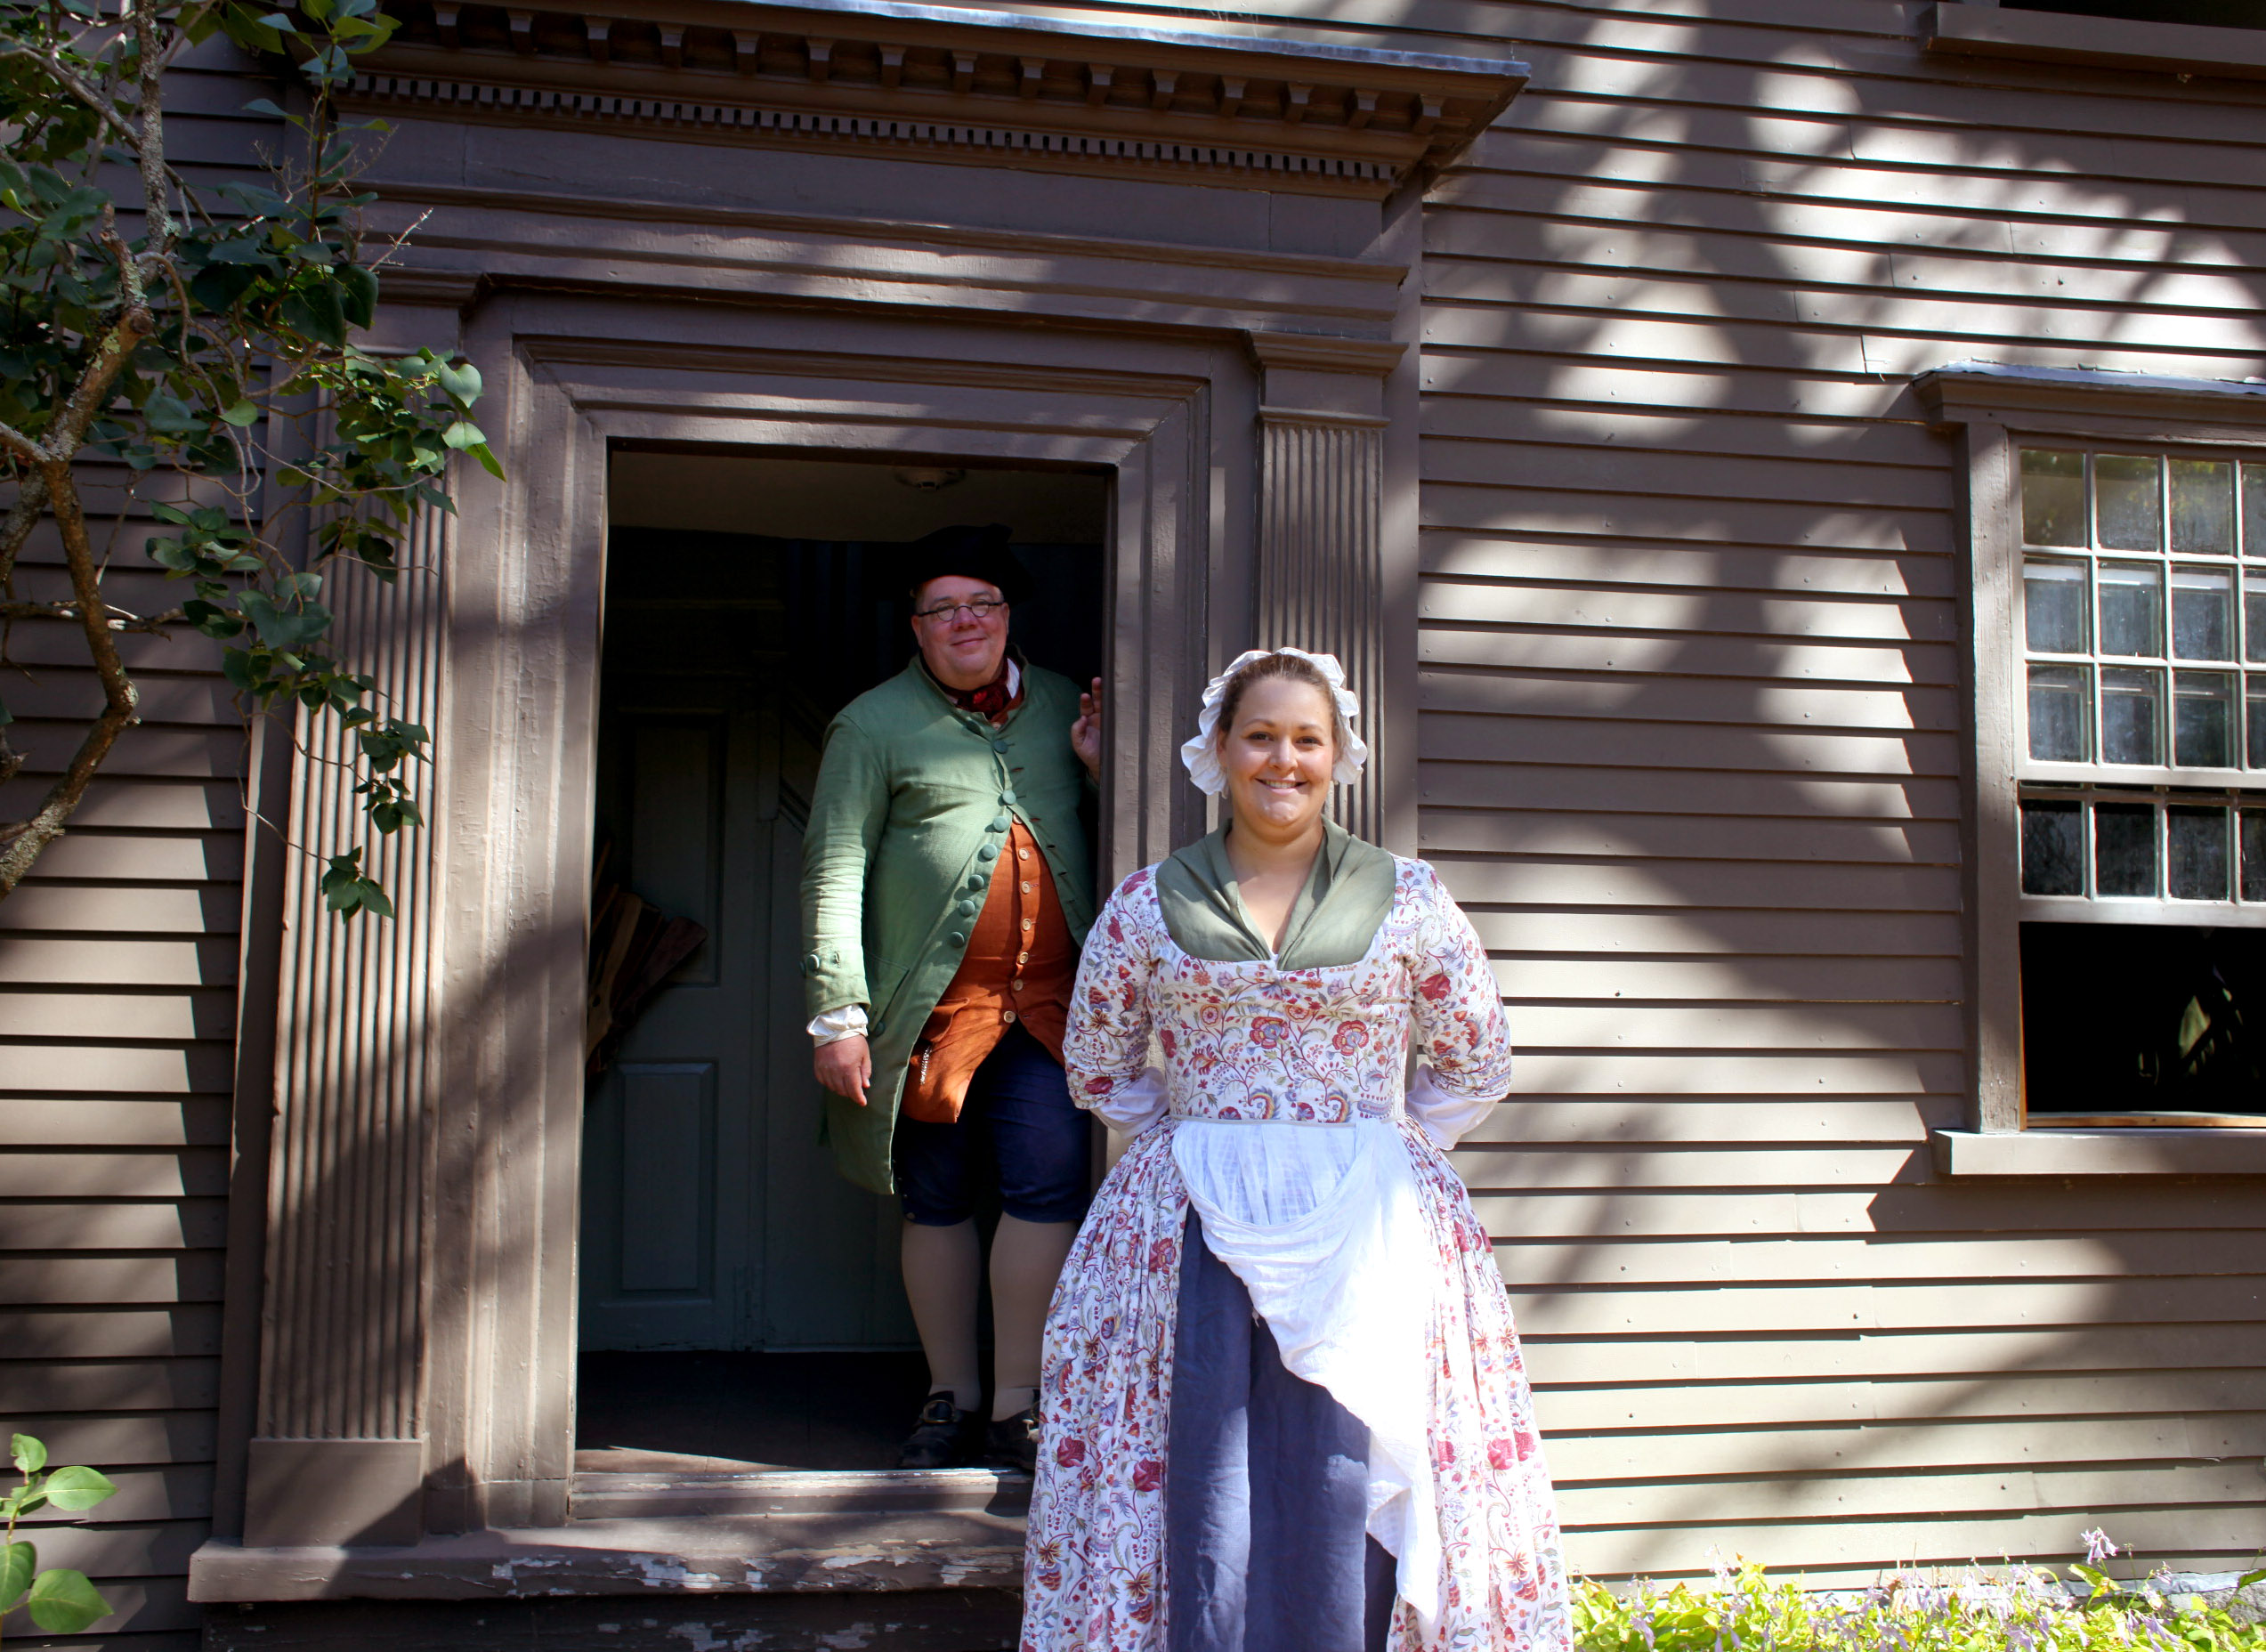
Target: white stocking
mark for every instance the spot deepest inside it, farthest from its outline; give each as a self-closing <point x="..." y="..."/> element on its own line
<point x="943" y="1266"/>
<point x="1026" y="1259"/>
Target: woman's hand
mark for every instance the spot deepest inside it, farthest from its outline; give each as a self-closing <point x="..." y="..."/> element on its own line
<point x="845" y="1066"/>
<point x="1086" y="734"/>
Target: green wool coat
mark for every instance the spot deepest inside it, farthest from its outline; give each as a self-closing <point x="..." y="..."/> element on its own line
<point x="912" y="805"/>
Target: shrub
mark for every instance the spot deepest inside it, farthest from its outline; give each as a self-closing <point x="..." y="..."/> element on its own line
<point x="60" y="1602"/>
<point x="2019" y="1609"/>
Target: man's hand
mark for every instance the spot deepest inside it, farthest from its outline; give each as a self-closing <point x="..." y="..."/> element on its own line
<point x="845" y="1066"/>
<point x="1086" y="734"/>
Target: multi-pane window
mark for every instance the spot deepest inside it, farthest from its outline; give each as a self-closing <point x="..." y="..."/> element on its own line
<point x="2143" y="599"/>
<point x="2141" y="781"/>
<point x="2143" y="629"/>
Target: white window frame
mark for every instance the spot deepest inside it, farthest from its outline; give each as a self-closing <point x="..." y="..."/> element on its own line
<point x="2000" y="410"/>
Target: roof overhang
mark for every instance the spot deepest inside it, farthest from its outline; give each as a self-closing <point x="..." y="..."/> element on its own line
<point x="1267" y="108"/>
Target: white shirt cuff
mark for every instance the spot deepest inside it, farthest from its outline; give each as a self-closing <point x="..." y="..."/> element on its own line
<point x="1447" y="1119"/>
<point x="836" y="1025"/>
<point x="1132" y="1108"/>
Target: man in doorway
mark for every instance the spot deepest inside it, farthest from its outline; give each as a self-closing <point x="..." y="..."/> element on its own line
<point x="946" y="888"/>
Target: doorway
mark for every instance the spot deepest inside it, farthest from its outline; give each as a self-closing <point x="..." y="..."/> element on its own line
<point x="740" y="1302"/>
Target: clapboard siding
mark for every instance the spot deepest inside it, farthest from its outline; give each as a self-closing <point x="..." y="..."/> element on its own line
<point x="1690" y="740"/>
<point x="118" y="965"/>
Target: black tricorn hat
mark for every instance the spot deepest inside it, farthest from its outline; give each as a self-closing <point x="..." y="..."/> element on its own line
<point x="974" y="552"/>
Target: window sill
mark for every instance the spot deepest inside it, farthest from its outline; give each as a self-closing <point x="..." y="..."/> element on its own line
<point x="2101" y="1152"/>
<point x="2181" y="49"/>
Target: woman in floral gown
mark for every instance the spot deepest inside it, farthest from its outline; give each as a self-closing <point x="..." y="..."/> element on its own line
<point x="1283" y="1407"/>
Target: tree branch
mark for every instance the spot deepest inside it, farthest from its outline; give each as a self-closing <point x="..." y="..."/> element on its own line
<point x="23" y="516"/>
<point x="21" y="844"/>
<point x="77" y="88"/>
<point x="152" y="150"/>
<point x="117" y="618"/>
<point x="93" y="387"/>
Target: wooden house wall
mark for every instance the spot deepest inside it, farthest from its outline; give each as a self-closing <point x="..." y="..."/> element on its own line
<point x="119" y="961"/>
<point x="1691" y="747"/>
<point x="1691" y="751"/>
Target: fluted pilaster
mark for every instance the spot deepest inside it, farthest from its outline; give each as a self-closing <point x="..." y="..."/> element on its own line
<point x="339" y="1456"/>
<point x="1319" y="581"/>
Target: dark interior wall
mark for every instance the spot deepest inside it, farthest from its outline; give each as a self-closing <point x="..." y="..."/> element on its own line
<point x="2214" y="13"/>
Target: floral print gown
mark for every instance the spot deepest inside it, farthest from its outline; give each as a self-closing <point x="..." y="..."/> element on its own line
<point x="1279" y="1112"/>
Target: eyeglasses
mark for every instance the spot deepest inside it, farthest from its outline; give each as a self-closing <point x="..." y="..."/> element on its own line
<point x="981" y="609"/>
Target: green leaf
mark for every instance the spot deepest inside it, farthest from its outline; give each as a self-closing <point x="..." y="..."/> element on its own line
<point x="30" y="1454"/>
<point x="262" y="106"/>
<point x="64" y="1603"/>
<point x="463" y="436"/>
<point x="239" y="414"/>
<point x="17" y="1565"/>
<point x="358" y="295"/>
<point x="348" y="891"/>
<point x="170" y="416"/>
<point x="78" y="1489"/>
<point x="2248" y="1578"/>
<point x="462" y="382"/>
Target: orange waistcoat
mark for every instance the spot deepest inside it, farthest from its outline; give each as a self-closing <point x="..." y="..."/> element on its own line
<point x="1019" y="967"/>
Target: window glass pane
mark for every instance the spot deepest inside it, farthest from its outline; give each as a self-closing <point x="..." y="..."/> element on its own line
<point x="2132" y="609"/>
<point x="2053" y="607"/>
<point x="2062" y="714"/>
<point x="2130" y="716"/>
<point x="2254" y="510"/>
<point x="2254" y="613"/>
<point x="2257" y="721"/>
<point x="2203" y="507"/>
<point x="2124" y="848"/>
<point x="2194" y="843"/>
<point x="2053" y="848"/>
<point x="2053" y="498"/>
<point x="2203" y="618"/>
<point x="2203" y="719"/>
<point x="2128" y="507"/>
<point x="2253" y="855"/>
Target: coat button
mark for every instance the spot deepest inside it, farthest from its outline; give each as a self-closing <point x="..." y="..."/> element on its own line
<point x="1000" y="746"/>
<point x="878" y="1029"/>
<point x="1006" y="797"/>
<point x="958" y="937"/>
<point x="989" y="852"/>
<point x="968" y="909"/>
<point x="1007" y="1014"/>
<point x="1001" y="823"/>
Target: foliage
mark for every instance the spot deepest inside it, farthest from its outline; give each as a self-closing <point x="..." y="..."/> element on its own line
<point x="209" y="360"/>
<point x="60" y="1602"/>
<point x="2021" y="1609"/>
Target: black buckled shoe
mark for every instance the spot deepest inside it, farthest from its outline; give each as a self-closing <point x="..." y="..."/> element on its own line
<point x="1013" y="1442"/>
<point x="943" y="1438"/>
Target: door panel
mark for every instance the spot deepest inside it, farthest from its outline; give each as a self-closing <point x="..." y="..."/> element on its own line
<point x="668" y="1135"/>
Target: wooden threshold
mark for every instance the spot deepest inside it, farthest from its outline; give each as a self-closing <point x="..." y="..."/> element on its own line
<point x="707" y="1487"/>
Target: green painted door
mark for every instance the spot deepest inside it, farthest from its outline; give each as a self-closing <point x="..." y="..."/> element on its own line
<point x="712" y="1216"/>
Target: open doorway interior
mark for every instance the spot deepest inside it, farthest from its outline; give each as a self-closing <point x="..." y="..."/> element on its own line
<point x="741" y="1302"/>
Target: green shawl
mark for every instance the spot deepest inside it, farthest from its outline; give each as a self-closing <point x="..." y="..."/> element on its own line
<point x="1332" y="921"/>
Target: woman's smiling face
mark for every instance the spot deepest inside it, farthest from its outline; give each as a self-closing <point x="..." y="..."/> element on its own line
<point x="1278" y="755"/>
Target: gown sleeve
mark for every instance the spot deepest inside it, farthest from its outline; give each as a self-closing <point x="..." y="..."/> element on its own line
<point x="1105" y="1050"/>
<point x="1461" y="1036"/>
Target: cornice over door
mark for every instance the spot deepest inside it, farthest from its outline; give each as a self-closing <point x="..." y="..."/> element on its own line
<point x="988" y="87"/>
